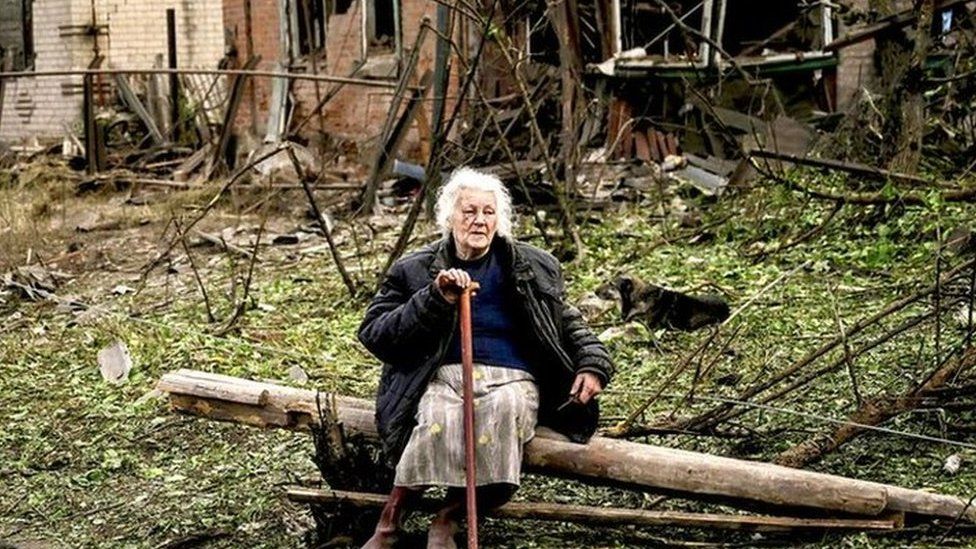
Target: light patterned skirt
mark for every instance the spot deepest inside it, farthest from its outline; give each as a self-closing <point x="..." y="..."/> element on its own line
<point x="506" y="405"/>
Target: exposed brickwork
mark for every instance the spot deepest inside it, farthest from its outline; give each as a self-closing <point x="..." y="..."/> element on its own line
<point x="856" y="69"/>
<point x="355" y="112"/>
<point x="37" y="107"/>
<point x="266" y="42"/>
<point x="136" y="33"/>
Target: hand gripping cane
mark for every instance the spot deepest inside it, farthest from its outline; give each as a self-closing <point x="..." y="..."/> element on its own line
<point x="467" y="364"/>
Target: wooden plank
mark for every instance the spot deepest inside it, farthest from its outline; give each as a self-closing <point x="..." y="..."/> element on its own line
<point x="661" y="144"/>
<point x="619" y="462"/>
<point x="233" y="103"/>
<point x="132" y="101"/>
<point x="895" y="21"/>
<point x="192" y="162"/>
<point x="609" y="516"/>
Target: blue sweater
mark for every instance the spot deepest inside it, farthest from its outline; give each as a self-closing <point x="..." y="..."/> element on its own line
<point x="498" y="337"/>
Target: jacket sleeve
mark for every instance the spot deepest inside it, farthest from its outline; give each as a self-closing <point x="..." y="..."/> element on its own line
<point x="401" y="327"/>
<point x="586" y="351"/>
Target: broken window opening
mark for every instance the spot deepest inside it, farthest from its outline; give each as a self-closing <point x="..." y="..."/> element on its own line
<point x="782" y="27"/>
<point x="309" y="36"/>
<point x="16" y="35"/>
<point x="542" y="44"/>
<point x="380" y="22"/>
<point x="648" y="25"/>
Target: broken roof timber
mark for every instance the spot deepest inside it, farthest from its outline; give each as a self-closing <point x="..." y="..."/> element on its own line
<point x="761" y="65"/>
<point x="895" y="21"/>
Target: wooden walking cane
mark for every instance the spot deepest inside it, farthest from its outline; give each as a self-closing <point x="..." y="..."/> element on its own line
<point x="467" y="364"/>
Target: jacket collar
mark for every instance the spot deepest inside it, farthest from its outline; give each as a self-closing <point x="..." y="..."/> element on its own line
<point x="444" y="252"/>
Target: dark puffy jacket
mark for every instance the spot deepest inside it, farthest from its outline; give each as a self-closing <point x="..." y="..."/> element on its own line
<point x="409" y="324"/>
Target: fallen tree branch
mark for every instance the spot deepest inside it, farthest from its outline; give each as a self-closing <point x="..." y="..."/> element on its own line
<point x="874" y="412"/>
<point x="875" y="198"/>
<point x="320" y="220"/>
<point x="609" y="516"/>
<point x="223" y="244"/>
<point x="723" y="412"/>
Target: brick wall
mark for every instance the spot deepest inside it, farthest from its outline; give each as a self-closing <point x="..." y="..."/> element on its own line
<point x="856" y="67"/>
<point x="38" y="107"/>
<point x="265" y="40"/>
<point x="356" y="112"/>
<point x="137" y="31"/>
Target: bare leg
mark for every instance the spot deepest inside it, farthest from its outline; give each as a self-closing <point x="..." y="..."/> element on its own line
<point x="446" y="523"/>
<point x="388" y="526"/>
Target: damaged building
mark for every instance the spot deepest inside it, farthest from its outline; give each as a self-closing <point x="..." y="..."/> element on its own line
<point x="642" y="60"/>
<point x="61" y="35"/>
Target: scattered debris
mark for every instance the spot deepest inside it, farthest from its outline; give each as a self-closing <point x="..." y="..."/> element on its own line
<point x="952" y="464"/>
<point x="297" y="374"/>
<point x="34" y="282"/>
<point x="115" y="363"/>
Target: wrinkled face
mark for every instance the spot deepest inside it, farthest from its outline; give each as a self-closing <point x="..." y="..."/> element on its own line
<point x="474" y="222"/>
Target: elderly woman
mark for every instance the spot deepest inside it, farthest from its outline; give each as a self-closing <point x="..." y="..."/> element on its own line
<point x="535" y="358"/>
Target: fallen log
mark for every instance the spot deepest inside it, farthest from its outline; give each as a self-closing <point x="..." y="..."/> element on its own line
<point x="602" y="460"/>
<point x="610" y="516"/>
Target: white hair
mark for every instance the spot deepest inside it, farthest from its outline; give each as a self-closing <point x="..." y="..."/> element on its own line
<point x="466" y="178"/>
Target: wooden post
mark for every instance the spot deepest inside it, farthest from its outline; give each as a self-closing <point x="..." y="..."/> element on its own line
<point x="88" y="119"/>
<point x="470" y="451"/>
<point x="174" y="79"/>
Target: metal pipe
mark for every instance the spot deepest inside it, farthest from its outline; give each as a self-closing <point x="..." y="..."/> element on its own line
<point x="212" y="72"/>
<point x="470" y="458"/>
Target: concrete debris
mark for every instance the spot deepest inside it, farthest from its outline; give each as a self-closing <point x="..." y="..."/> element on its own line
<point x="952" y="464"/>
<point x="115" y="363"/>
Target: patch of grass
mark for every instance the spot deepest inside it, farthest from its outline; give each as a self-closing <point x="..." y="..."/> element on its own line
<point x="86" y="463"/>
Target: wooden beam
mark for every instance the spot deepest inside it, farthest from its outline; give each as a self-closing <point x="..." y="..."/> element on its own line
<point x="610" y="516"/>
<point x="611" y="461"/>
<point x="383" y="158"/>
<point x="132" y="101"/>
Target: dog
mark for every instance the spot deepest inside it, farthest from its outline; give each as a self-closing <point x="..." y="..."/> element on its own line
<point x="659" y="307"/>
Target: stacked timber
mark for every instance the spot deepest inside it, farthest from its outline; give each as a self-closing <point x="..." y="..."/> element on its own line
<point x="602" y="460"/>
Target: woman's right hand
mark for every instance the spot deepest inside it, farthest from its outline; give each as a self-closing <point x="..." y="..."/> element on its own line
<point x="451" y="282"/>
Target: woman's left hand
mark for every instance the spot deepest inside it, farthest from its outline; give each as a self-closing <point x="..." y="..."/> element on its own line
<point x="585" y="387"/>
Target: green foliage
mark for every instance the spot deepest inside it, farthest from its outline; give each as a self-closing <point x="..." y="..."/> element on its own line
<point x="86" y="463"/>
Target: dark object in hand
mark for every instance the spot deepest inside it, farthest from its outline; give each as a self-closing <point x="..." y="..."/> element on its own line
<point x="661" y="307"/>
